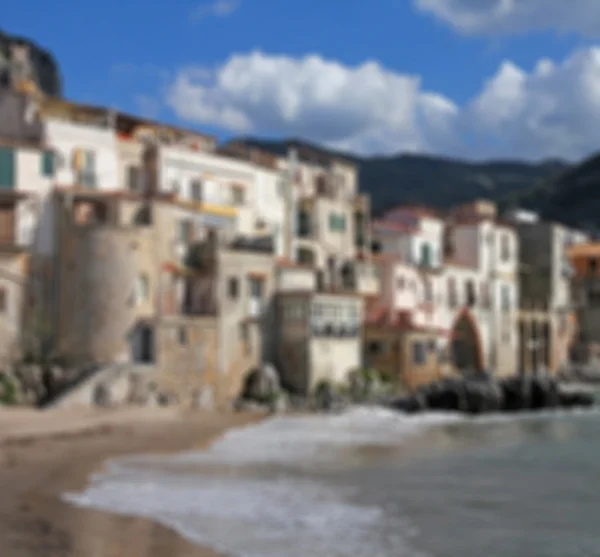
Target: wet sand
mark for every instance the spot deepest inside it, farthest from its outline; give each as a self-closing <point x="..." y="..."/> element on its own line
<point x="45" y="454"/>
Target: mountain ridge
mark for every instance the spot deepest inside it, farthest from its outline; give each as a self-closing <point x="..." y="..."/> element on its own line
<point x="438" y="181"/>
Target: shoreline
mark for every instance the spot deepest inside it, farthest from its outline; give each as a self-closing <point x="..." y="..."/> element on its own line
<point x="46" y="454"/>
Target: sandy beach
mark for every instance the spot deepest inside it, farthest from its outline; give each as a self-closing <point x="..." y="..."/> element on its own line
<point x="44" y="454"/>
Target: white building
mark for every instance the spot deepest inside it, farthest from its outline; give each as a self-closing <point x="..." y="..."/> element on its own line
<point x="457" y="277"/>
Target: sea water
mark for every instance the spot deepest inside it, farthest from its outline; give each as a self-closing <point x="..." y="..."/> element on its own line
<point x="375" y="483"/>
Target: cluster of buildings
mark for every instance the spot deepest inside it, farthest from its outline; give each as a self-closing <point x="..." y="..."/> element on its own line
<point x="129" y="241"/>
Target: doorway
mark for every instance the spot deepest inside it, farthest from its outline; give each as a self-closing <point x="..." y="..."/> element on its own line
<point x="144" y="349"/>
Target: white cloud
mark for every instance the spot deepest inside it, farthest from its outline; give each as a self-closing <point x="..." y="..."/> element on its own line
<point x="550" y="111"/>
<point x="364" y="107"/>
<point x="217" y="8"/>
<point x="505" y="17"/>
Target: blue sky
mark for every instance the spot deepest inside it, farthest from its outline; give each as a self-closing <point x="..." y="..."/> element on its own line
<point x="492" y="78"/>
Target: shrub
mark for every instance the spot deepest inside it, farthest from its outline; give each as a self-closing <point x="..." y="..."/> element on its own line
<point x="8" y="391"/>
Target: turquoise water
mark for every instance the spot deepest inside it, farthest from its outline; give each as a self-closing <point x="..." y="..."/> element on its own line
<point x="373" y="483"/>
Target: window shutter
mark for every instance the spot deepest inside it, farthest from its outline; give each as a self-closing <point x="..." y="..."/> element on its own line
<point x="48" y="164"/>
<point x="7" y="168"/>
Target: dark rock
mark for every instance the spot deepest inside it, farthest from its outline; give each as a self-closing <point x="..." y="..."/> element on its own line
<point x="411" y="404"/>
<point x="483" y="397"/>
<point x="45" y="69"/>
<point x="262" y="384"/>
<point x="448" y="395"/>
<point x="516" y="393"/>
<point x="544" y="393"/>
<point x="572" y="399"/>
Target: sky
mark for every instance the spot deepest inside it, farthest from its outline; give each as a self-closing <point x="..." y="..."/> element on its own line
<point x="475" y="79"/>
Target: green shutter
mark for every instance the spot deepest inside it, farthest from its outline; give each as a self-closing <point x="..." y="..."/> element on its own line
<point x="342" y="223"/>
<point x="331" y="221"/>
<point x="7" y="168"/>
<point x="47" y="164"/>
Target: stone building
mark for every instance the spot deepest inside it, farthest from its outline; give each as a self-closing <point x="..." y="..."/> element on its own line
<point x="546" y="319"/>
<point x="131" y="289"/>
<point x="318" y="335"/>
<point x="26" y="176"/>
<point x="585" y="259"/>
<point x="449" y="293"/>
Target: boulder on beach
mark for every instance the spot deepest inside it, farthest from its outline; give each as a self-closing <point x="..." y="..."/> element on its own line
<point x="262" y="384"/>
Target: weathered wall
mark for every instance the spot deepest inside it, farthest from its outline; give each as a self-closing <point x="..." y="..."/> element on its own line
<point x="99" y="310"/>
<point x="12" y="283"/>
<point x="187" y="358"/>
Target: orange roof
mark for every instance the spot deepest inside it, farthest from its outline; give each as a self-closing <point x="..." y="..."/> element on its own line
<point x="392" y="226"/>
<point x="587" y="249"/>
<point x="420" y="211"/>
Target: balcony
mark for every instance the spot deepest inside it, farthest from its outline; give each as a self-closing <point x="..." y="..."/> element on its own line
<point x="335" y="330"/>
<point x="198" y="255"/>
<point x="87" y="179"/>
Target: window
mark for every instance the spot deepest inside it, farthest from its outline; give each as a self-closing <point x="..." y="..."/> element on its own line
<point x="87" y="168"/>
<point x="47" y="164"/>
<point x="401" y="283"/>
<point x="470" y="293"/>
<point x="141" y="288"/>
<point x="7" y="168"/>
<point x="419" y="353"/>
<point x="3" y="300"/>
<point x="486" y="301"/>
<point x="321" y="185"/>
<point x="238" y="195"/>
<point x="175" y="187"/>
<point x="134" y="179"/>
<point x="375" y="348"/>
<point x="505" y="248"/>
<point x="452" y="294"/>
<point x="428" y="290"/>
<point x="592" y="265"/>
<point x="182" y="335"/>
<point x="233" y="288"/>
<point x="303" y="224"/>
<point x="425" y="257"/>
<point x="256" y="288"/>
<point x="337" y="223"/>
<point x="506" y="302"/>
<point x="185" y="230"/>
<point x="196" y="190"/>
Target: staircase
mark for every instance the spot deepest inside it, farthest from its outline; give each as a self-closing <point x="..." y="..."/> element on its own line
<point x="110" y="384"/>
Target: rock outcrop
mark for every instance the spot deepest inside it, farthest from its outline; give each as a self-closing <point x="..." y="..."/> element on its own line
<point x="484" y="395"/>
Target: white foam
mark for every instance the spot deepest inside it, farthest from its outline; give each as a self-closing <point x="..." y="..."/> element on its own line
<point x="260" y="502"/>
<point x="314" y="438"/>
<point x="250" y="515"/>
<point x="250" y="518"/>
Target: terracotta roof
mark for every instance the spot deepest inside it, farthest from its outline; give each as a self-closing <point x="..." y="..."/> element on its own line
<point x="587" y="249"/>
<point x="471" y="220"/>
<point x="391" y="226"/>
<point x="121" y="117"/>
<point x="419" y="211"/>
<point x="402" y="320"/>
